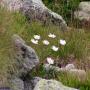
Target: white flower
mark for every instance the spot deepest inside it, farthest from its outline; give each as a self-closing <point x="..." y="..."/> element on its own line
<point x="62" y="42"/>
<point x="52" y="35"/>
<point x="37" y="37"/>
<point x="34" y="41"/>
<point x="50" y="60"/>
<point x="54" y="48"/>
<point x="46" y="42"/>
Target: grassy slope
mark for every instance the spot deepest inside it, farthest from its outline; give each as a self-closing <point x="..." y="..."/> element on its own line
<point x="14" y="23"/>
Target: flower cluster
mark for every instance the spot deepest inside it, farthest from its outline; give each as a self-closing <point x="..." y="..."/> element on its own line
<point x="36" y="39"/>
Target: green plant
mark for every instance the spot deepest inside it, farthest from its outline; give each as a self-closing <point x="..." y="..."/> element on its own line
<point x="70" y="80"/>
<point x="65" y="8"/>
<point x="77" y="44"/>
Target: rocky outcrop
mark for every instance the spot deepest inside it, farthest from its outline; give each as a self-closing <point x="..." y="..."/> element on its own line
<point x="83" y="13"/>
<point x="16" y="84"/>
<point x="26" y="84"/>
<point x="25" y="56"/>
<point x="51" y="85"/>
<point x="12" y="5"/>
<point x="35" y="10"/>
<point x="25" y="60"/>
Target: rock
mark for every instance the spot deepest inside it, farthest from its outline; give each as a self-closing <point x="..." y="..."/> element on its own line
<point x="85" y="6"/>
<point x="19" y="84"/>
<point x="25" y="57"/>
<point x="51" y="85"/>
<point x="29" y="84"/>
<point x="83" y="14"/>
<point x="12" y="5"/>
<point x="16" y="84"/>
<point x="69" y="67"/>
<point x="35" y="10"/>
<point x="35" y="80"/>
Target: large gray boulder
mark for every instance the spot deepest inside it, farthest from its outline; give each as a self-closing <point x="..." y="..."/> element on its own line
<point x="30" y="84"/>
<point x="16" y="84"/>
<point x="35" y="10"/>
<point x="51" y="85"/>
<point x="27" y="84"/>
<point x="12" y="5"/>
<point x="25" y="56"/>
<point x="25" y="59"/>
<point x="83" y="13"/>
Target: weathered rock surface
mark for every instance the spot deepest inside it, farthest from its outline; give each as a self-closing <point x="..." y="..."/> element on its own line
<point x="25" y="60"/>
<point x="12" y="5"/>
<point x="26" y="84"/>
<point x="25" y="57"/>
<point x="51" y="85"/>
<point x="16" y="84"/>
<point x="83" y="14"/>
<point x="30" y="84"/>
<point x="35" y="10"/>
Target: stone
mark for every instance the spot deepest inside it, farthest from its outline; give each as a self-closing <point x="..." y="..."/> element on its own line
<point x="25" y="59"/>
<point x="27" y="84"/>
<point x="83" y="13"/>
<point x="16" y="84"/>
<point x="69" y="67"/>
<point x="35" y="80"/>
<point x="51" y="85"/>
<point x="30" y="84"/>
<point x="25" y="56"/>
<point x="12" y="5"/>
<point x="35" y="10"/>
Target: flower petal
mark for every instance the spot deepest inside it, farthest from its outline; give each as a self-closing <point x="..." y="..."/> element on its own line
<point x="34" y="41"/>
<point x="37" y="37"/>
<point x="52" y="35"/>
<point x="46" y="42"/>
<point x="54" y="48"/>
<point x="62" y="42"/>
<point x="50" y="60"/>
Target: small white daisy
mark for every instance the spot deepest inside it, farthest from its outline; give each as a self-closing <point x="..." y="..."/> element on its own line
<point x="52" y="35"/>
<point x="37" y="37"/>
<point x="34" y="41"/>
<point x="62" y="42"/>
<point x="54" y="48"/>
<point x="46" y="42"/>
<point x="50" y="60"/>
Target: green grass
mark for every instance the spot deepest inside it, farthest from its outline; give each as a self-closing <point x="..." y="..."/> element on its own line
<point x="72" y="81"/>
<point x="78" y="41"/>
